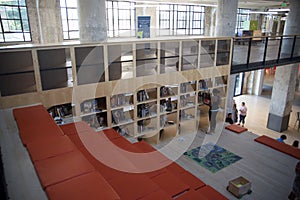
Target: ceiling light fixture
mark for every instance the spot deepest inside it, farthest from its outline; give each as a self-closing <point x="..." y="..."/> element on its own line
<point x="279" y="10"/>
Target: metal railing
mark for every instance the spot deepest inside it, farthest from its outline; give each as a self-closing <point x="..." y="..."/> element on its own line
<point x="252" y="53"/>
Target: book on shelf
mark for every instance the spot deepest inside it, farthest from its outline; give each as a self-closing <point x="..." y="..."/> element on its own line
<point x="142" y="96"/>
<point x="122" y="130"/>
<point x="91" y="106"/>
<point x="118" y="100"/>
<point x="166" y="91"/>
<point x="118" y="116"/>
<point x="143" y="110"/>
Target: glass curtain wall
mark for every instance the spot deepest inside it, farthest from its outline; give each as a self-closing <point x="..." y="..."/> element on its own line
<point x="179" y="19"/>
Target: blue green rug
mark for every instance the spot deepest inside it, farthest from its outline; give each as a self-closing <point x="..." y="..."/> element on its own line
<point x="212" y="157"/>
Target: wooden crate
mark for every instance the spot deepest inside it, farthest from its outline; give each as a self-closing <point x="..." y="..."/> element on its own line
<point x="239" y="187"/>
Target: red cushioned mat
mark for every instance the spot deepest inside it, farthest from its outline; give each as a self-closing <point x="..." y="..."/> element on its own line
<point x="111" y="134"/>
<point x="62" y="167"/>
<point x="157" y="195"/>
<point x="91" y="186"/>
<point x="125" y="145"/>
<point x="236" y="128"/>
<point x="172" y="185"/>
<point x="31" y="114"/>
<point x="74" y="128"/>
<point x="282" y="147"/>
<point x="133" y="186"/>
<point x="191" y="180"/>
<point x="175" y="168"/>
<point x="107" y="172"/>
<point x="49" y="147"/>
<point x="192" y="195"/>
<point x="30" y="133"/>
<point x="211" y="193"/>
<point x="144" y="146"/>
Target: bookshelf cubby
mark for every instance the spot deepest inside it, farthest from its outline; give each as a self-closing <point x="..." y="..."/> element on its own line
<point x="94" y="112"/>
<point x="89" y="64"/>
<point x="189" y="55"/>
<point x="121" y="100"/>
<point x="169" y="104"/>
<point x="122" y="116"/>
<point x="207" y="53"/>
<point x="62" y="113"/>
<point x="223" y="52"/>
<point x="147" y="95"/>
<point x="120" y="61"/>
<point x="169" y="56"/>
<point x="16" y="73"/>
<point x="55" y="73"/>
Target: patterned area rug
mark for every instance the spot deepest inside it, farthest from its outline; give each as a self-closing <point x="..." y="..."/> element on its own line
<point x="212" y="157"/>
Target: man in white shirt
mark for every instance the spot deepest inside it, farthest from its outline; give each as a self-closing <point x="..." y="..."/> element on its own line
<point x="243" y="114"/>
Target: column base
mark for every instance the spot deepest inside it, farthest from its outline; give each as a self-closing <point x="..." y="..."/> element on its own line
<point x="278" y="123"/>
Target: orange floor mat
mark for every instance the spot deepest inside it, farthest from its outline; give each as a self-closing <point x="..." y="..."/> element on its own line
<point x="236" y="128"/>
<point x="191" y="180"/>
<point x="74" y="128"/>
<point x="282" y="147"/>
<point x="210" y="193"/>
<point x="192" y="195"/>
<point x="91" y="186"/>
<point x="62" y="167"/>
<point x="133" y="186"/>
<point x="30" y="133"/>
<point x="49" y="147"/>
<point x="157" y="195"/>
<point x="111" y="134"/>
<point x="172" y="185"/>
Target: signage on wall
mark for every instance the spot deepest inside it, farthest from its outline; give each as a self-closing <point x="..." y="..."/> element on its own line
<point x="143" y="27"/>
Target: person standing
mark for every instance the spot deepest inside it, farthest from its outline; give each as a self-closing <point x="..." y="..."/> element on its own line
<point x="215" y="101"/>
<point x="243" y="114"/>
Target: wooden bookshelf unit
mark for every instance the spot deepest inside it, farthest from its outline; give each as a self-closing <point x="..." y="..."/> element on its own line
<point x="153" y="89"/>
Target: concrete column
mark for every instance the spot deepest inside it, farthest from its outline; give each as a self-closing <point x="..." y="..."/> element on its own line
<point x="282" y="97"/>
<point x="226" y="17"/>
<point x="285" y="78"/>
<point x="250" y="82"/>
<point x="45" y="21"/>
<point x="92" y="20"/>
<point x="210" y="21"/>
<point x="258" y="82"/>
<point x="225" y="26"/>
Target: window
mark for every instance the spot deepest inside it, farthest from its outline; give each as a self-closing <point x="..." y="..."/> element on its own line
<point x="14" y="21"/>
<point x="120" y="19"/>
<point x="181" y="19"/>
<point x="242" y="16"/>
<point x="69" y="15"/>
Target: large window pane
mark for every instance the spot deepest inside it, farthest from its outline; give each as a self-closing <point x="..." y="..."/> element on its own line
<point x="14" y="21"/>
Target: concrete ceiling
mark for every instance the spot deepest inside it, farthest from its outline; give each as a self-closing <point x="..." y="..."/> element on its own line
<point x="254" y="4"/>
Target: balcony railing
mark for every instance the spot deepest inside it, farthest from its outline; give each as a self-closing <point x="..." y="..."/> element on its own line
<point x="252" y="53"/>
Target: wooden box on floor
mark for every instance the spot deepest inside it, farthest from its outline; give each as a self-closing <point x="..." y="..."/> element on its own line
<point x="239" y="187"/>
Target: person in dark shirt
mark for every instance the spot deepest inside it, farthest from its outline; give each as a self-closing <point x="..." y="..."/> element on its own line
<point x="229" y="118"/>
<point x="295" y="143"/>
